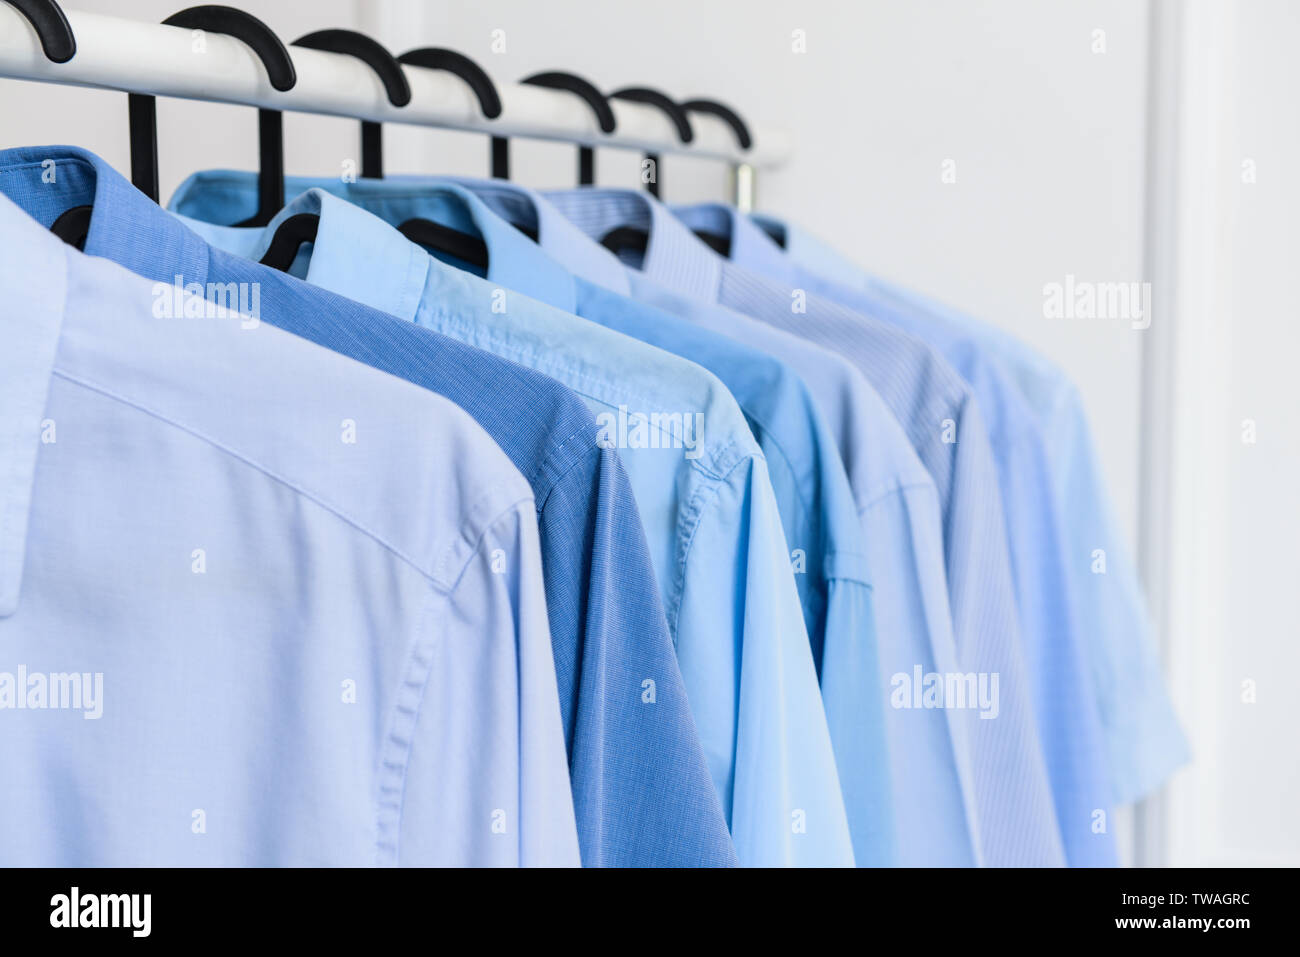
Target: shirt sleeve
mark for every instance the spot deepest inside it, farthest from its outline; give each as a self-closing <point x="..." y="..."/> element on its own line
<point x="486" y="780"/>
<point x="1017" y="816"/>
<point x="855" y="709"/>
<point x="1065" y="699"/>
<point x="641" y="787"/>
<point x="1143" y="737"/>
<point x="748" y="667"/>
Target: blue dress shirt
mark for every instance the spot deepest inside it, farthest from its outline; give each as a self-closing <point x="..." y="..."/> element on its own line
<point x="820" y="513"/>
<point x="709" y="509"/>
<point x="642" y="790"/>
<point x="1017" y="821"/>
<point x="237" y="626"/>
<point x="899" y="513"/>
<point x="815" y="503"/>
<point x="1144" y="740"/>
<point x="1069" y="724"/>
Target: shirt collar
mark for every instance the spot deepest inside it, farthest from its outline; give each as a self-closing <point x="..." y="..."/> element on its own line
<point x="674" y="256"/>
<point x="354" y="254"/>
<point x="751" y="247"/>
<point x="804" y="251"/>
<point x="125" y="225"/>
<point x="774" y="227"/>
<point x="33" y="275"/>
<point x="560" y="239"/>
<point x="514" y="261"/>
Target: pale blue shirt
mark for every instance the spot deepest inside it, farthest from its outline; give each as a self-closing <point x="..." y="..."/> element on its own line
<point x="259" y="604"/>
<point x="831" y="561"/>
<point x="1016" y="817"/>
<point x="1045" y="576"/>
<point x="1144" y="740"/>
<point x="898" y="510"/>
<point x="701" y="484"/>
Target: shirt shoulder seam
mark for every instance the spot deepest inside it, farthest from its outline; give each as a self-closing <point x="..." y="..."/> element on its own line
<point x="399" y="743"/>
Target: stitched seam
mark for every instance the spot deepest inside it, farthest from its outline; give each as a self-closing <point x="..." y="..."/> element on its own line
<point x="587" y="385"/>
<point x="395" y="754"/>
<point x="399" y="766"/>
<point x="691" y="520"/>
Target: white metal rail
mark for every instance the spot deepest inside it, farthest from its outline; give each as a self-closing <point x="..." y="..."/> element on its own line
<point x="118" y="54"/>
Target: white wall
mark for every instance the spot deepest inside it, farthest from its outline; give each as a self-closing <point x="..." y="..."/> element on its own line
<point x="1256" y="815"/>
<point x="1042" y="108"/>
<point x="1228" y="564"/>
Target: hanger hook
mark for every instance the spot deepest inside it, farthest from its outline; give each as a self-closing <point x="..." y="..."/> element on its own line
<point x="372" y="53"/>
<point x="438" y="58"/>
<point x="142" y="108"/>
<point x="571" y="83"/>
<point x="51" y="26"/>
<point x="742" y="173"/>
<point x="652" y="97"/>
<point x="724" y="113"/>
<point x="215" y="18"/>
<point x="369" y="51"/>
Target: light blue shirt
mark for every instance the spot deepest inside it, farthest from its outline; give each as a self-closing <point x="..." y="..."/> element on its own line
<point x="898" y="508"/>
<point x="701" y="484"/>
<point x="894" y="502"/>
<point x="1069" y="723"/>
<point x="1144" y="740"/>
<point x="814" y="499"/>
<point x="643" y="794"/>
<point x="811" y="252"/>
<point x="1016" y="817"/>
<point x="259" y="604"/>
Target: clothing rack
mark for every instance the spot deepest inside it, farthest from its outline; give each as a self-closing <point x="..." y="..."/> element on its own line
<point x="147" y="58"/>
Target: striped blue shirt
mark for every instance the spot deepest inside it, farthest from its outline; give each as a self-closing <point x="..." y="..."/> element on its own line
<point x="1143" y="737"/>
<point x="1016" y="816"/>
<point x="1045" y="575"/>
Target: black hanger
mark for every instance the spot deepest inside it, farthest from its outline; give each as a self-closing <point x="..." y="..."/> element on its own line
<point x="724" y="113"/>
<point x="720" y="244"/>
<point x="777" y="233"/>
<point x="628" y="239"/>
<point x="631" y="239"/>
<point x="623" y="239"/>
<point x="142" y="108"/>
<point x="288" y="239"/>
<point x="716" y="241"/>
<point x="572" y="83"/>
<point x="453" y="242"/>
<point x="643" y="94"/>
<point x="302" y="227"/>
<point x="438" y="58"/>
<point x="59" y="45"/>
<point x="51" y="26"/>
<point x="374" y="55"/>
<point x="73" y="226"/>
